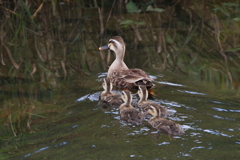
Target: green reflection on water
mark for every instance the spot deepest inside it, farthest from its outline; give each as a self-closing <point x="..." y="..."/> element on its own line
<point x="43" y="121"/>
<point x="70" y="129"/>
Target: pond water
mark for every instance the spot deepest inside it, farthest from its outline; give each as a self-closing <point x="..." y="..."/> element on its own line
<point x="45" y="114"/>
<point x="76" y="126"/>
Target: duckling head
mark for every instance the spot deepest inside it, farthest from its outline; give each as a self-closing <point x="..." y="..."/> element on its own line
<point x="153" y="111"/>
<point x="142" y="93"/>
<point x="107" y="85"/>
<point x="177" y="130"/>
<point x="127" y="97"/>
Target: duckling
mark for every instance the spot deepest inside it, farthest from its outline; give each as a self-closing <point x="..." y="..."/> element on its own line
<point x="144" y="104"/>
<point x="166" y="126"/>
<point x="108" y="96"/>
<point x="119" y="74"/>
<point x="127" y="112"/>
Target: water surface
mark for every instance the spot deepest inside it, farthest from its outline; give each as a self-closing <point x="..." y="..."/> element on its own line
<point x="78" y="127"/>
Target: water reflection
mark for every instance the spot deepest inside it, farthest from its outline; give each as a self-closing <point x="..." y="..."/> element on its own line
<point x="211" y="131"/>
<point x="61" y="144"/>
<point x="37" y="151"/>
<point x="91" y="97"/>
<point x="225" y="110"/>
<point x="87" y="125"/>
<point x="168" y="83"/>
<point x="190" y="92"/>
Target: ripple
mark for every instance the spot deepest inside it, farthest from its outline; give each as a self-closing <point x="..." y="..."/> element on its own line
<point x="144" y="129"/>
<point x="225" y="118"/>
<point x="75" y="126"/>
<point x="163" y="143"/>
<point x="153" y="77"/>
<point x="171" y="112"/>
<point x="216" y="133"/>
<point x="176" y="119"/>
<point x="105" y="126"/>
<point x="60" y="144"/>
<point x="186" y="127"/>
<point x="199" y="147"/>
<point x="225" y="110"/>
<point x="91" y="97"/>
<point x="37" y="151"/>
<point x="174" y="104"/>
<point x="112" y="112"/>
<point x="170" y="84"/>
<point x="191" y="92"/>
<point x="82" y="98"/>
<point x="220" y="102"/>
<point x="195" y="134"/>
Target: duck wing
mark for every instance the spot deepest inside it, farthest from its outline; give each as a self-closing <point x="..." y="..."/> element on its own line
<point x="130" y="78"/>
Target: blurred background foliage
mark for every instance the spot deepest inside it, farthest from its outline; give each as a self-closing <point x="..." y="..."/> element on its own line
<point x="49" y="39"/>
<point x="43" y="41"/>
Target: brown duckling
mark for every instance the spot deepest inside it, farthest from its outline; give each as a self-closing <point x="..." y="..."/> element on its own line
<point x="127" y="112"/>
<point x="166" y="126"/>
<point x="108" y="97"/>
<point x="144" y="104"/>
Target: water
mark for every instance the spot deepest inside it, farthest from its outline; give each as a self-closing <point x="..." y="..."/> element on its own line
<point x="78" y="127"/>
<point x="58" y="119"/>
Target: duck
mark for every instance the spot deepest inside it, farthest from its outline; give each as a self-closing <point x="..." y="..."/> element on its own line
<point x="108" y="97"/>
<point x="120" y="75"/>
<point x="144" y="104"/>
<point x="163" y="125"/>
<point x="127" y="112"/>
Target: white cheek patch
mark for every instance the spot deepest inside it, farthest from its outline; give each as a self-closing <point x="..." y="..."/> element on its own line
<point x="116" y="42"/>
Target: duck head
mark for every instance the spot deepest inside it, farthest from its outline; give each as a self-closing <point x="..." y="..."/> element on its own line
<point x="117" y="45"/>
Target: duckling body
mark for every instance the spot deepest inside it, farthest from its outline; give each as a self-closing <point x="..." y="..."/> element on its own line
<point x="108" y="97"/>
<point x="127" y="112"/>
<point x="119" y="74"/>
<point x="144" y="104"/>
<point x="166" y="126"/>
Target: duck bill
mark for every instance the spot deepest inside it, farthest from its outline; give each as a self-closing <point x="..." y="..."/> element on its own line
<point x="103" y="48"/>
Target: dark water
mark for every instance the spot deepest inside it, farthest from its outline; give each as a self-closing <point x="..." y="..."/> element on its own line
<point x="62" y="119"/>
<point x="75" y="126"/>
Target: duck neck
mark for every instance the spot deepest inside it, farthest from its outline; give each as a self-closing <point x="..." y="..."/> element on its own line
<point x="154" y="117"/>
<point x="128" y="101"/>
<point x="144" y="96"/>
<point x="120" y="53"/>
<point x="118" y="63"/>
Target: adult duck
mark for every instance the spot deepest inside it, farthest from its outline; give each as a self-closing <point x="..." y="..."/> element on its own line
<point x="120" y="75"/>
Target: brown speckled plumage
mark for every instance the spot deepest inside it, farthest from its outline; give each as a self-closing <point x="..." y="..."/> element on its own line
<point x="165" y="126"/>
<point x="144" y="104"/>
<point x="119" y="74"/>
<point x="127" y="112"/>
